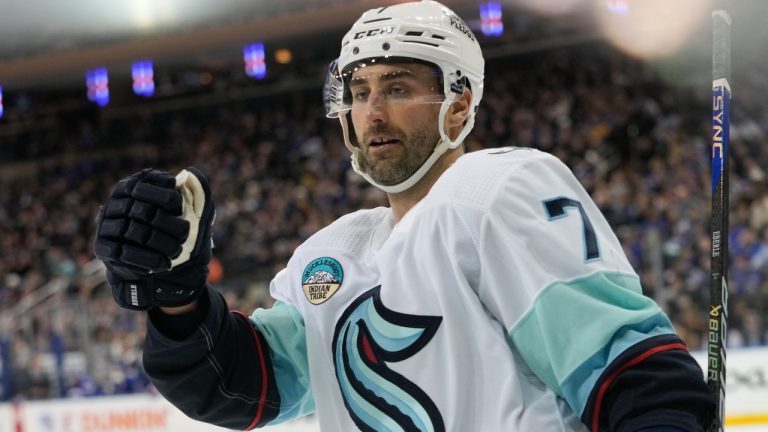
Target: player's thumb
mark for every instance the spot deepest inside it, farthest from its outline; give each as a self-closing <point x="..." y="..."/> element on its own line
<point x="198" y="209"/>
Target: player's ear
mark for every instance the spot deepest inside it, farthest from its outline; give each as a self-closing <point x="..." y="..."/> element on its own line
<point x="459" y="110"/>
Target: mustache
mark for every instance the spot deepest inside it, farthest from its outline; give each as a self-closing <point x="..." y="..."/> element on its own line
<point x="393" y="133"/>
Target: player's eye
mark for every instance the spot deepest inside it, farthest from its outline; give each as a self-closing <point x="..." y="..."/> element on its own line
<point x="360" y="95"/>
<point x="397" y="91"/>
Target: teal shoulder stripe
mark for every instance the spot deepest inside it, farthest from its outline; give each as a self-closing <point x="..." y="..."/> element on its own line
<point x="571" y="322"/>
<point x="579" y="384"/>
<point x="283" y="328"/>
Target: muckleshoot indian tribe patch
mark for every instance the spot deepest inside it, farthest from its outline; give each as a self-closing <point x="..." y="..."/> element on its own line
<point x="321" y="279"/>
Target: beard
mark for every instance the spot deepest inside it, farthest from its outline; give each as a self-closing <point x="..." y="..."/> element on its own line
<point x="412" y="151"/>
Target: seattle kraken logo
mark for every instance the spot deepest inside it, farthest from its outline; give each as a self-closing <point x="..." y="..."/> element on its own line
<point x="379" y="399"/>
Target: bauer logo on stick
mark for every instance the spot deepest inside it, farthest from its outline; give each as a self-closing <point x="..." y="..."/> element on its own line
<point x="321" y="279"/>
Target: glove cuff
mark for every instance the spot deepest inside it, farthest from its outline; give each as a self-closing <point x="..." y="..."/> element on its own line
<point x="131" y="294"/>
<point x="176" y="288"/>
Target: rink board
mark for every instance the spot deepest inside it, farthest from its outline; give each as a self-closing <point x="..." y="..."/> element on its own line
<point x="746" y="407"/>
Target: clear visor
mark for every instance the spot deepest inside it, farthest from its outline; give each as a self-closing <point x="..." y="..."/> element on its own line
<point x="381" y="82"/>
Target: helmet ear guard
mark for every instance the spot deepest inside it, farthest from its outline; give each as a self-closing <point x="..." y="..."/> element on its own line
<point x="425" y="32"/>
<point x="459" y="85"/>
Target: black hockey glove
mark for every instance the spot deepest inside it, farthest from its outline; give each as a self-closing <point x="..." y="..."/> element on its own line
<point x="154" y="236"/>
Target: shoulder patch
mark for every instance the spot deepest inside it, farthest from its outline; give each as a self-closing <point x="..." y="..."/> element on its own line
<point x="321" y="279"/>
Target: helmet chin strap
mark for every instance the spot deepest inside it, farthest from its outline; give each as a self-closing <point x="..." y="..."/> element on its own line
<point x="443" y="145"/>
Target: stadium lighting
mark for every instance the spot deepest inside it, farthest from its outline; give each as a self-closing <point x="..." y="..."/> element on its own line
<point x="143" y="78"/>
<point x="255" y="65"/>
<point x="97" y="81"/>
<point x="490" y="19"/>
<point x="642" y="32"/>
<point x="283" y="56"/>
<point x="619" y="7"/>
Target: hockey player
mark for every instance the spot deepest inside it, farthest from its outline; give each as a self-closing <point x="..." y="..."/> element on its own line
<point x="490" y="296"/>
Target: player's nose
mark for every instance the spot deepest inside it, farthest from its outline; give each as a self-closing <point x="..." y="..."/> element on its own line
<point x="377" y="108"/>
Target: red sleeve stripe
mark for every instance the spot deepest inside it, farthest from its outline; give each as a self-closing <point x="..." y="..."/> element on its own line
<point x="263" y="363"/>
<point x="607" y="383"/>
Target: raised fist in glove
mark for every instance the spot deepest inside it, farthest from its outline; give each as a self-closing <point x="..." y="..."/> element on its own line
<point x="154" y="236"/>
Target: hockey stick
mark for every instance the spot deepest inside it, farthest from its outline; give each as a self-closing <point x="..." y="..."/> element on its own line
<point x="718" y="310"/>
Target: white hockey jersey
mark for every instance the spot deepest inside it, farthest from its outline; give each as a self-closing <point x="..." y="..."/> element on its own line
<point x="493" y="305"/>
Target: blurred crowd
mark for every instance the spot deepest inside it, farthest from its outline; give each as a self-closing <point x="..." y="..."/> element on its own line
<point x="280" y="172"/>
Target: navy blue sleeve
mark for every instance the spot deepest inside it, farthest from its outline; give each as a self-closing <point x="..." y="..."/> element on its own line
<point x="662" y="429"/>
<point x="213" y="365"/>
<point x="653" y="385"/>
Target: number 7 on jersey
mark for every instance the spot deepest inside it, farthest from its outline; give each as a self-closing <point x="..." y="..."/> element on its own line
<point x="557" y="208"/>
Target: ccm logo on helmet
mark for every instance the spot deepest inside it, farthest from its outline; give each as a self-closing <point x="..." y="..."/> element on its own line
<point x="374" y="32"/>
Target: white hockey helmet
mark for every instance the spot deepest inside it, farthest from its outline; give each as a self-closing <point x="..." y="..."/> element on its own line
<point x="427" y="32"/>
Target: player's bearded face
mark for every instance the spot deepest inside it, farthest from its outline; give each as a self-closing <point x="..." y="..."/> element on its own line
<point x="409" y="151"/>
<point x="395" y="111"/>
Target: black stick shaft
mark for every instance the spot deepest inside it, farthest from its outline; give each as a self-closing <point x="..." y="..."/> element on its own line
<point x="718" y="311"/>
